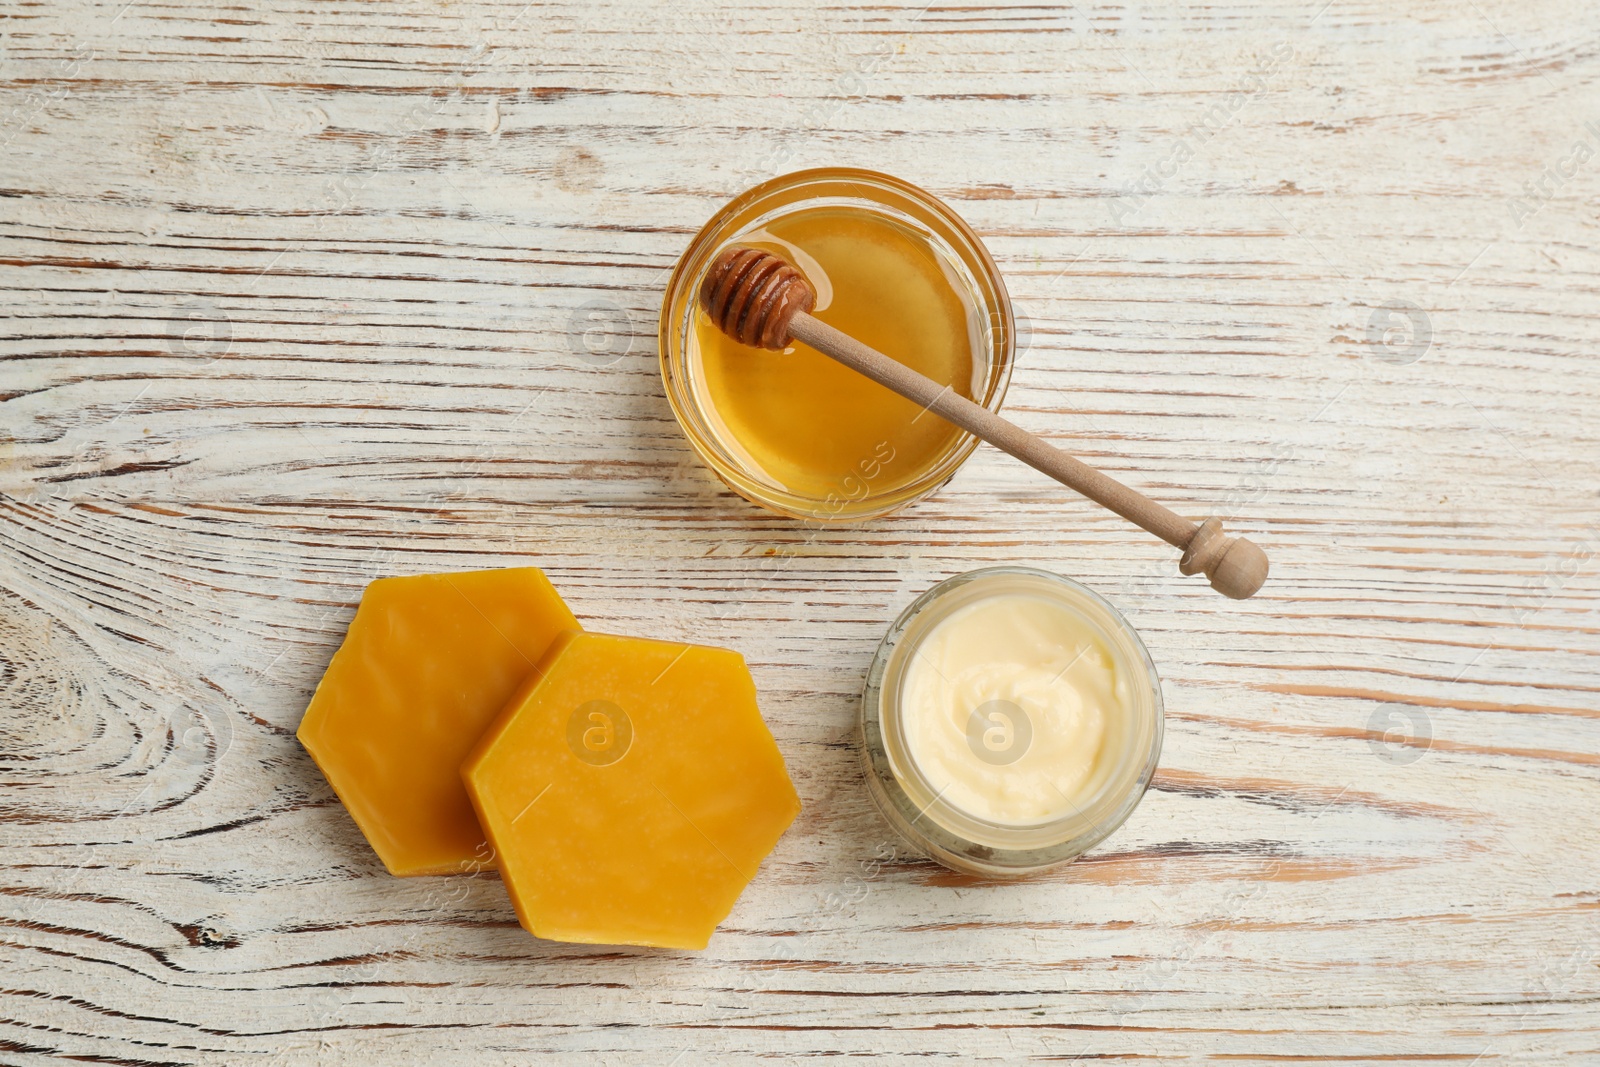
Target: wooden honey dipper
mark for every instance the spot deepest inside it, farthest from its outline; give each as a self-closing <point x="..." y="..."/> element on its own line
<point x="760" y="300"/>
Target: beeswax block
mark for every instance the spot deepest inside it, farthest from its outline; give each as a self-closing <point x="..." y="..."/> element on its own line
<point x="428" y="662"/>
<point x="630" y="790"/>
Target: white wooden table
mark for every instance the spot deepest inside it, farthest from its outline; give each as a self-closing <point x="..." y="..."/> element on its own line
<point x="300" y="294"/>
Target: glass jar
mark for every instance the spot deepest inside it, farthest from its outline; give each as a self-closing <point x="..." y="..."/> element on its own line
<point x="729" y="421"/>
<point x="945" y="830"/>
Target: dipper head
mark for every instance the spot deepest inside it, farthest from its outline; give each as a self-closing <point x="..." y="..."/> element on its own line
<point x="753" y="296"/>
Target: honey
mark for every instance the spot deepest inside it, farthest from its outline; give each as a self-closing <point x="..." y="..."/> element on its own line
<point x="892" y="266"/>
<point x="811" y="425"/>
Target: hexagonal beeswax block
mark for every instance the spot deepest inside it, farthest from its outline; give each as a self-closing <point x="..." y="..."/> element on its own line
<point x="427" y="664"/>
<point x="630" y="791"/>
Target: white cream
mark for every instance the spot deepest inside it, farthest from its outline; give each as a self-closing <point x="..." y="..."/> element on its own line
<point x="1014" y="710"/>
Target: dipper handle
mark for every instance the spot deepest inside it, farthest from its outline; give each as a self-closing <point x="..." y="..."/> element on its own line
<point x="760" y="300"/>
<point x="1236" y="567"/>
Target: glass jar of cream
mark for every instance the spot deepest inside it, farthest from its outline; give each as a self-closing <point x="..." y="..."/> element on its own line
<point x="1011" y="720"/>
<point x="795" y="431"/>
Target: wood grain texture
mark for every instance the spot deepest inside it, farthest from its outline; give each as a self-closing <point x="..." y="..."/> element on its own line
<point x="303" y="294"/>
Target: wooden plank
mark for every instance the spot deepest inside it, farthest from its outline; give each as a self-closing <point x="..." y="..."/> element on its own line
<point x="294" y="301"/>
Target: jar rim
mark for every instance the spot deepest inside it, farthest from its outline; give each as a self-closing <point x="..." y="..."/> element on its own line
<point x="795" y="190"/>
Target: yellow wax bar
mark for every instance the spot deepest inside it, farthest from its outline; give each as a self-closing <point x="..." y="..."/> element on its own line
<point x="630" y="790"/>
<point x="429" y="661"/>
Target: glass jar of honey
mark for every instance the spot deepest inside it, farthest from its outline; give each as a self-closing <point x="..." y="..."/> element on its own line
<point x="892" y="266"/>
